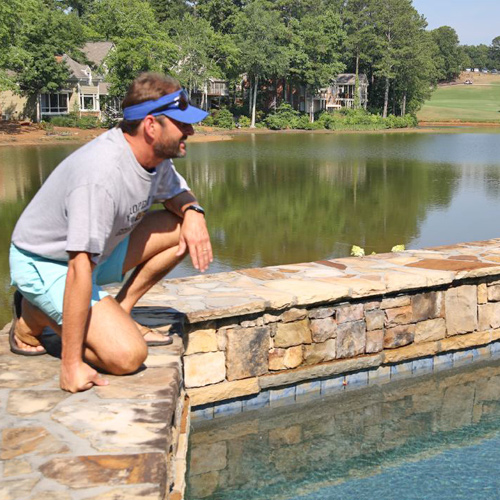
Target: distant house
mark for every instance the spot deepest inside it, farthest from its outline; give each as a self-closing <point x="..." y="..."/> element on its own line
<point x="14" y="106"/>
<point x="340" y="94"/>
<point x="82" y="93"/>
<point x="213" y="93"/>
<point x="85" y="85"/>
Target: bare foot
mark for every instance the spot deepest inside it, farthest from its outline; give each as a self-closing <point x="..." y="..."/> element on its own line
<point x="150" y="335"/>
<point x="25" y="339"/>
<point x="27" y="347"/>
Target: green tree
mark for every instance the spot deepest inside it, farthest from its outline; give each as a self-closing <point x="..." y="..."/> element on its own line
<point x="170" y="9"/>
<point x="10" y="53"/>
<point x="262" y="39"/>
<point x="361" y="36"/>
<point x="44" y="34"/>
<point x="477" y="55"/>
<point x="79" y="7"/>
<point x="221" y="14"/>
<point x="140" y="42"/>
<point x="204" y="53"/>
<point x="136" y="55"/>
<point x="396" y="25"/>
<point x="494" y="53"/>
<point x="417" y="74"/>
<point x="317" y="41"/>
<point x="114" y="19"/>
<point x="451" y="57"/>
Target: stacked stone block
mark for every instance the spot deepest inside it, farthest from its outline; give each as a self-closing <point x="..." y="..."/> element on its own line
<point x="241" y="356"/>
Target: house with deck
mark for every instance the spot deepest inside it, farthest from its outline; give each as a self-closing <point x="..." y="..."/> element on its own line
<point x="340" y="94"/>
<point x="212" y="94"/>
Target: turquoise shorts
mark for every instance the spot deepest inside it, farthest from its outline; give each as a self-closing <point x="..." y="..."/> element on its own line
<point x="42" y="281"/>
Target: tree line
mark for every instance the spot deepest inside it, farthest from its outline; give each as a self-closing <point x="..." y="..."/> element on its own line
<point x="276" y="44"/>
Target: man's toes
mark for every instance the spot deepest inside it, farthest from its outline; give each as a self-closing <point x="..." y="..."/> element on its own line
<point x="27" y="347"/>
<point x="152" y="335"/>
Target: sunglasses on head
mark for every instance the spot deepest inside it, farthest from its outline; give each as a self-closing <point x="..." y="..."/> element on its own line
<point x="181" y="101"/>
<point x="175" y="105"/>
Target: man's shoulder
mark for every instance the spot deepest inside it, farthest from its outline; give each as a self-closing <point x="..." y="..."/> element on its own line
<point x="111" y="141"/>
<point x="103" y="153"/>
<point x="99" y="162"/>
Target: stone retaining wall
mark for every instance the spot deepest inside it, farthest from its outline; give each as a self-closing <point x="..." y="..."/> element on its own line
<point x="436" y="301"/>
<point x="223" y="362"/>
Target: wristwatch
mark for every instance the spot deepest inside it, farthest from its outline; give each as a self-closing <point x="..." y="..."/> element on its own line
<point x="196" y="208"/>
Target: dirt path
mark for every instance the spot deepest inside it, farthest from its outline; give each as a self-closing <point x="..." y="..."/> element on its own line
<point x="13" y="134"/>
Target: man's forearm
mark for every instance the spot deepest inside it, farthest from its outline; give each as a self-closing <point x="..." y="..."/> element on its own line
<point x="77" y="295"/>
<point x="178" y="203"/>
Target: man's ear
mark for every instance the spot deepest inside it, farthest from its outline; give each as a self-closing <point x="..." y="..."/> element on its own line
<point x="150" y="128"/>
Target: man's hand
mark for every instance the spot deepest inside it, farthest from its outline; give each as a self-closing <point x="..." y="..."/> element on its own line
<point x="195" y="238"/>
<point x="79" y="377"/>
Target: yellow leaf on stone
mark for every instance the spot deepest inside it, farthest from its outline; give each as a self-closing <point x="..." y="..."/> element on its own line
<point x="398" y="248"/>
<point x="357" y="251"/>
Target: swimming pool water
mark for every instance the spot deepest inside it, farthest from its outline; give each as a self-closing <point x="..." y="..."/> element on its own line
<point x="432" y="438"/>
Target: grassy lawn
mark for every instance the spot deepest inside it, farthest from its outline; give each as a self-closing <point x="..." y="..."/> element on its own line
<point x="479" y="102"/>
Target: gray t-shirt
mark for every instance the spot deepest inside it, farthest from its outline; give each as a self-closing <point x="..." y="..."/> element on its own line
<point x="93" y="199"/>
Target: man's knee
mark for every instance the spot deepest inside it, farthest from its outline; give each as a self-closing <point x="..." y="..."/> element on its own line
<point x="128" y="358"/>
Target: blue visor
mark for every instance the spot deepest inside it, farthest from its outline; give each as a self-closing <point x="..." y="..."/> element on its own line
<point x="175" y="105"/>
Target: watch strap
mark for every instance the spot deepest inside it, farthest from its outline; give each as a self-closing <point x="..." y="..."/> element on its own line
<point x="196" y="208"/>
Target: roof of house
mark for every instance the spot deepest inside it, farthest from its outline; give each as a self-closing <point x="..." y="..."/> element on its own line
<point x="77" y="71"/>
<point x="95" y="52"/>
<point x="350" y="79"/>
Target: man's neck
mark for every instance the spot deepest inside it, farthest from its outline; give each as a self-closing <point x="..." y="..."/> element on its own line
<point x="142" y="151"/>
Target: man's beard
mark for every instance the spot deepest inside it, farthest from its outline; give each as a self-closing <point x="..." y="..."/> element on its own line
<point x="169" y="149"/>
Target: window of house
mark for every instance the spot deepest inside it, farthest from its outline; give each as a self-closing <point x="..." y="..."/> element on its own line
<point x="54" y="104"/>
<point x="89" y="102"/>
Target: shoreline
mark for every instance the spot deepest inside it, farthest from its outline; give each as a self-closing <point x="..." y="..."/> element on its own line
<point x="12" y="134"/>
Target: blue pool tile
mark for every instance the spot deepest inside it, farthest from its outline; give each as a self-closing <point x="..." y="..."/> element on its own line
<point x="356" y="380"/>
<point x="204" y="412"/>
<point x="380" y="375"/>
<point x="282" y="396"/>
<point x="462" y="357"/>
<point x="332" y="385"/>
<point x="307" y="390"/>
<point x="482" y="353"/>
<point x="226" y="409"/>
<point x="443" y="361"/>
<point x="423" y="365"/>
<point x="261" y="400"/>
<point x="401" y="370"/>
<point x="495" y="349"/>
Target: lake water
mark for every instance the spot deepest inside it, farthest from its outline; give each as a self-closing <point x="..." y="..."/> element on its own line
<point x="432" y="438"/>
<point x="297" y="197"/>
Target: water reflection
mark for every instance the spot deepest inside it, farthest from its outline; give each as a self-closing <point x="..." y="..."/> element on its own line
<point x="380" y="443"/>
<point x="301" y="198"/>
<point x="283" y="198"/>
<point x="22" y="172"/>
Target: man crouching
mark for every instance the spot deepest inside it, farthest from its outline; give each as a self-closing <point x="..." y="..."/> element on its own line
<point x="89" y="224"/>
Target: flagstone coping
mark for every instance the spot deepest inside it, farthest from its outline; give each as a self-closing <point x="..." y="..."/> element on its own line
<point x="248" y="291"/>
